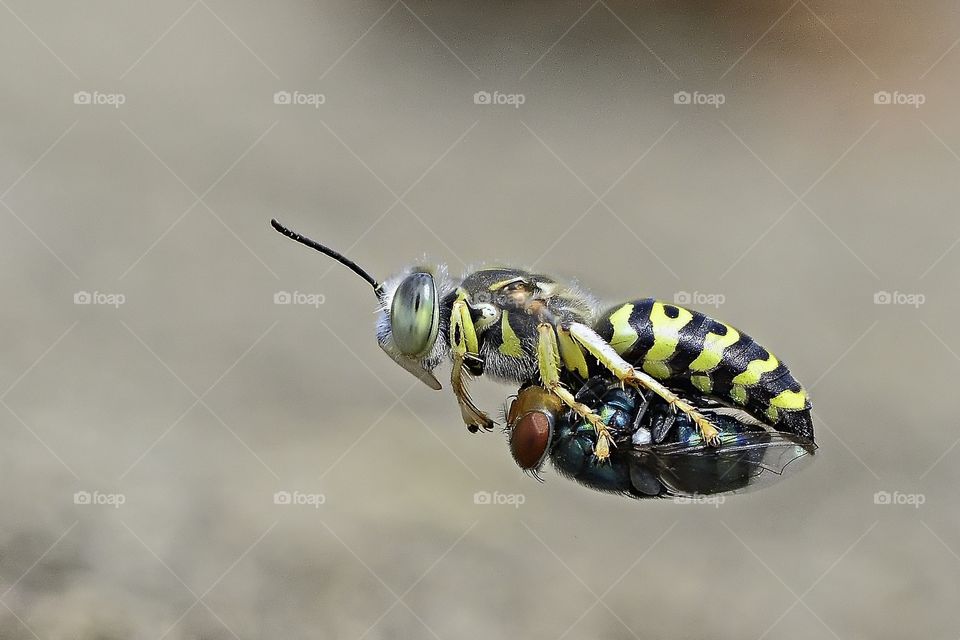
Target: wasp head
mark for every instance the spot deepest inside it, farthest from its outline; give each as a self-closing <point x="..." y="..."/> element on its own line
<point x="409" y="314"/>
<point x="414" y="312"/>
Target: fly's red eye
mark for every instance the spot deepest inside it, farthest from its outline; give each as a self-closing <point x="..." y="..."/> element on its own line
<point x="529" y="439"/>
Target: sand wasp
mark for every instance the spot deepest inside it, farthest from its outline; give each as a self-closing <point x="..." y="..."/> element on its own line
<point x="522" y="327"/>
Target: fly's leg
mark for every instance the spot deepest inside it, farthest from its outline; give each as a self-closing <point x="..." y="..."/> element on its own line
<point x="548" y="358"/>
<point x="662" y="426"/>
<point x="608" y="357"/>
<point x="644" y="404"/>
<point x="592" y="391"/>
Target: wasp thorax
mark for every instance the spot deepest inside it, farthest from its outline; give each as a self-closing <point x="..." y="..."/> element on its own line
<point x="415" y="314"/>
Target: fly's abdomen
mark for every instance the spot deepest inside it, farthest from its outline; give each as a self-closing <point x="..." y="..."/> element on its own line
<point x="689" y="349"/>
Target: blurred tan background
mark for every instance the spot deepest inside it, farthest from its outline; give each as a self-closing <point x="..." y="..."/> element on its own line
<point x="145" y="434"/>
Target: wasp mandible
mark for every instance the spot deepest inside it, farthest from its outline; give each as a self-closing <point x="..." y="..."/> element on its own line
<point x="524" y="327"/>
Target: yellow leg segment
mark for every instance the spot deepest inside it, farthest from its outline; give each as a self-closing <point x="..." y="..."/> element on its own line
<point x="464" y="345"/>
<point x="608" y="357"/>
<point x="548" y="358"/>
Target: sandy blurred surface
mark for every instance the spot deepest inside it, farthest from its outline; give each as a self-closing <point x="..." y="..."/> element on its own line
<point x="186" y="394"/>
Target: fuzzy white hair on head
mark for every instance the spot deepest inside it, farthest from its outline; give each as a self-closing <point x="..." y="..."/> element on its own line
<point x="444" y="285"/>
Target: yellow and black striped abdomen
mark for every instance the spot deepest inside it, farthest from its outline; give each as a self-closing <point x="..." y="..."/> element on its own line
<point x="686" y="348"/>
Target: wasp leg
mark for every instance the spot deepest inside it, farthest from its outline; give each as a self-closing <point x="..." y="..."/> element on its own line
<point x="548" y="358"/>
<point x="463" y="347"/>
<point x="608" y="357"/>
<point x="474" y="418"/>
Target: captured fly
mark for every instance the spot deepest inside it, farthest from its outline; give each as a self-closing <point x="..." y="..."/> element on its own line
<point x="658" y="452"/>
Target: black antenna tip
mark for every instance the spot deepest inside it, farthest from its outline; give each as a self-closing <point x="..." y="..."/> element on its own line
<point x="293" y="235"/>
<point x="347" y="262"/>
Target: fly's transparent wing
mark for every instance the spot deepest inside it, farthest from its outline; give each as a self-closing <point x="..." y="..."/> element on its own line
<point x="750" y="456"/>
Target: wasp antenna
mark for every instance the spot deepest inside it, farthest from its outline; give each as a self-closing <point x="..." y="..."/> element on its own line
<point x="327" y="251"/>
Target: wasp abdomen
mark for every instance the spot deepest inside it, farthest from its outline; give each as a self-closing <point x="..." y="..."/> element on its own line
<point x="687" y="348"/>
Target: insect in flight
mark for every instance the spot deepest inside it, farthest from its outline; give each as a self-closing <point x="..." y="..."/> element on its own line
<point x="659" y="453"/>
<point x="529" y="328"/>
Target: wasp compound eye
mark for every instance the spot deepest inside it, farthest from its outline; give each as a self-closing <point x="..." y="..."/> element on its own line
<point x="415" y="314"/>
<point x="529" y="439"/>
